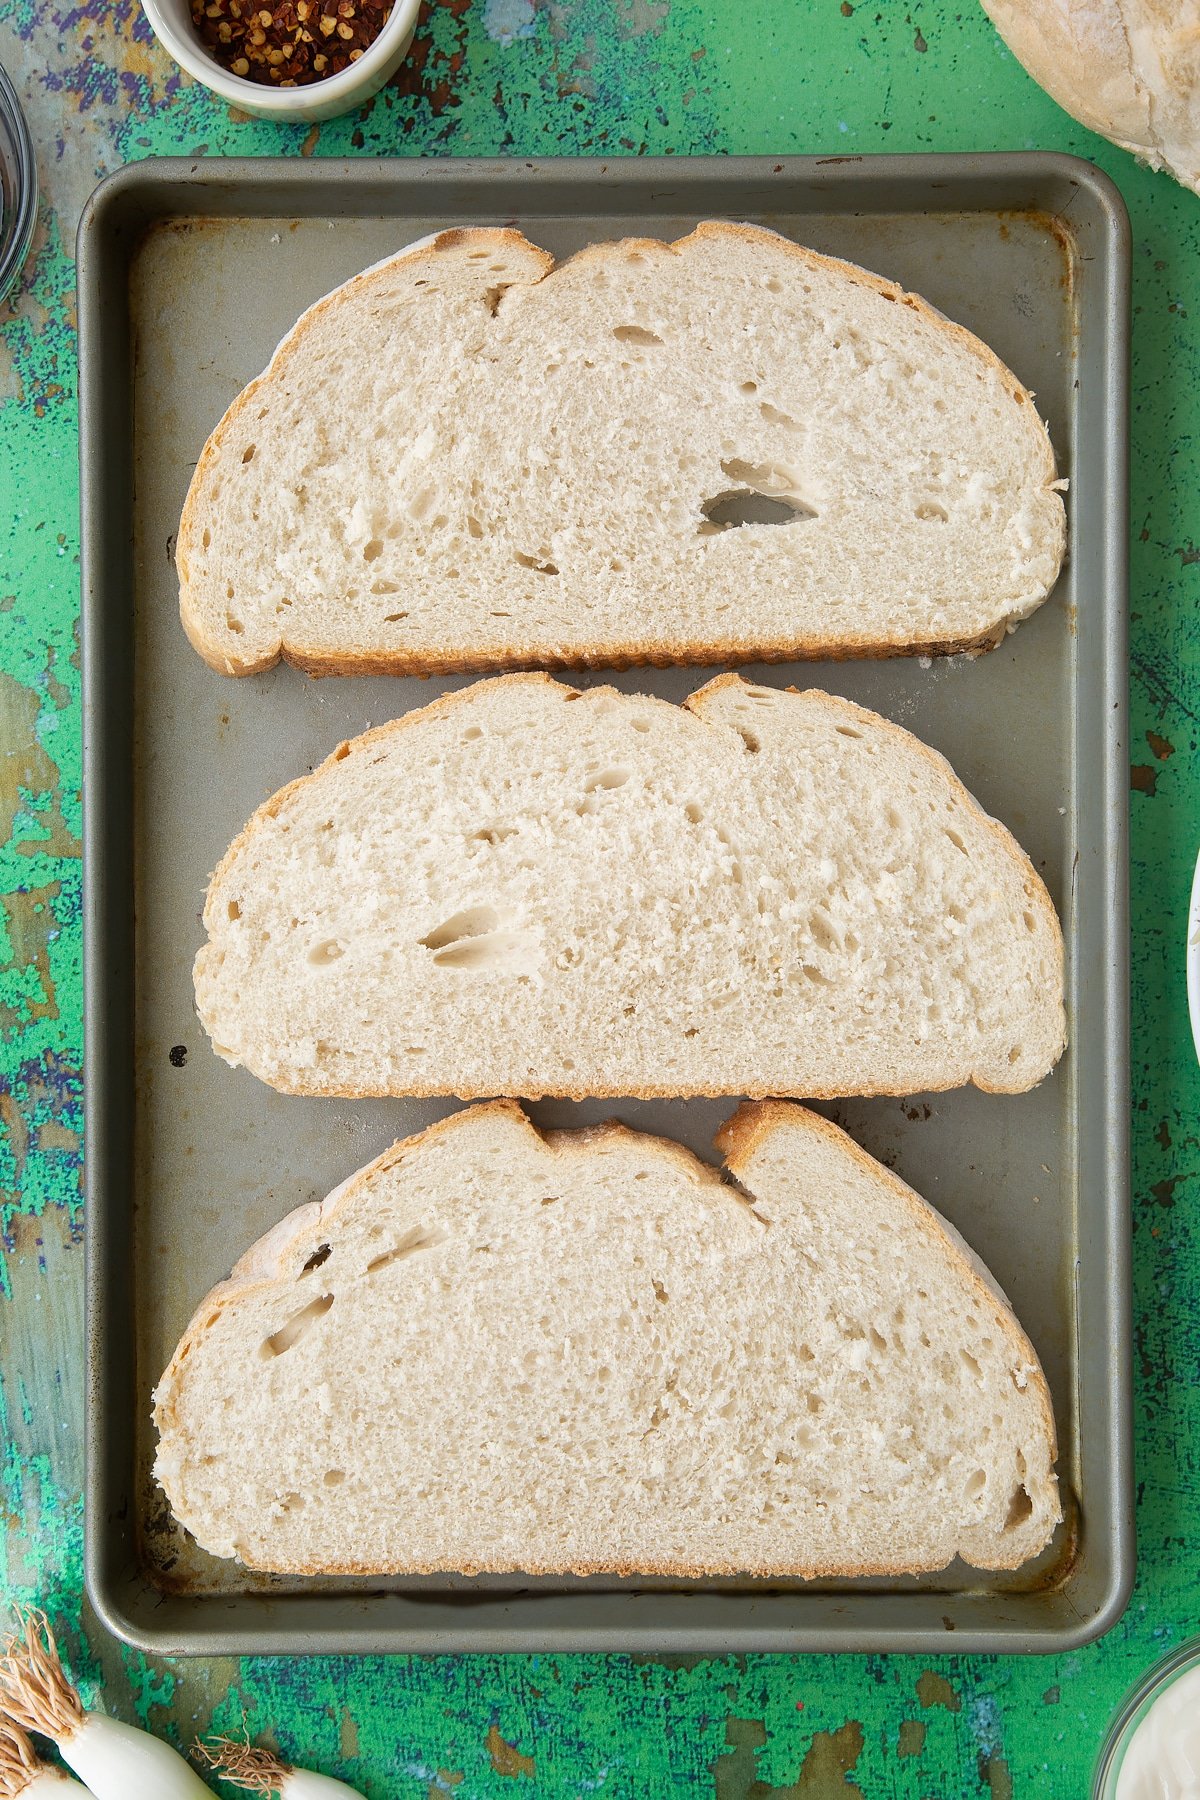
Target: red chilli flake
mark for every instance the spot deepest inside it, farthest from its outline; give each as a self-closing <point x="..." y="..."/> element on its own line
<point x="292" y="43"/>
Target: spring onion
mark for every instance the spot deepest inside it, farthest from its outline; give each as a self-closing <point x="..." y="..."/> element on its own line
<point x="117" y="1761"/>
<point x="260" y="1771"/>
<point x="23" y="1776"/>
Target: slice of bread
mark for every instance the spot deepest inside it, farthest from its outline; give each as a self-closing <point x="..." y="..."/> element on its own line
<point x="523" y="889"/>
<point x="494" y="1350"/>
<point x="717" y="450"/>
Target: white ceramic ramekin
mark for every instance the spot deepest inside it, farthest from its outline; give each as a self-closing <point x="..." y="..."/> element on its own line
<point x="172" y="24"/>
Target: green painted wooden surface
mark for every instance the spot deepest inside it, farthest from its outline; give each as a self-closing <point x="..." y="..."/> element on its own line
<point x="564" y="77"/>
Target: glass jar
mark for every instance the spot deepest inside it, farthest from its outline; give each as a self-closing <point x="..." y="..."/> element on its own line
<point x="18" y="186"/>
<point x="1134" y="1709"/>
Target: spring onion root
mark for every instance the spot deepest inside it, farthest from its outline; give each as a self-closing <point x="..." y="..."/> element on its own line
<point x="260" y="1771"/>
<point x="116" y="1761"/>
<point x="23" y="1776"/>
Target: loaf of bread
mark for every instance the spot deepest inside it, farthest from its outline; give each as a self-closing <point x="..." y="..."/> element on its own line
<point x="722" y="449"/>
<point x="523" y="889"/>
<point x="494" y="1350"/>
<point x="1129" y="69"/>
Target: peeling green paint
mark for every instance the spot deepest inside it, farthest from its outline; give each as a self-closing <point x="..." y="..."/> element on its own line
<point x="611" y="77"/>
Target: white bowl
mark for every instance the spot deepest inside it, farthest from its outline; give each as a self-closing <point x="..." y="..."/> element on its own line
<point x="1193" y="958"/>
<point x="1106" y="1781"/>
<point x="171" y="21"/>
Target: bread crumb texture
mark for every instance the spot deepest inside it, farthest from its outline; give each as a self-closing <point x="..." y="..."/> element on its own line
<point x="523" y="889"/>
<point x="493" y="1350"/>
<point x="470" y="458"/>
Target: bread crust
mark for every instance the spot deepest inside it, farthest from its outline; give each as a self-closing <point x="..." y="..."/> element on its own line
<point x="846" y="644"/>
<point x="749" y="1130"/>
<point x="445" y="704"/>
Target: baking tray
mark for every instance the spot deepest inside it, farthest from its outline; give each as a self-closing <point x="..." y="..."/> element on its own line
<point x="189" y="272"/>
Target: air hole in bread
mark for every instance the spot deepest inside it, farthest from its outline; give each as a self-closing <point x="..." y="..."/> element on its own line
<point x="320" y="1255"/>
<point x="929" y="509"/>
<point x="1030" y="921"/>
<point x="334" y="1477"/>
<point x="1020" y="1508"/>
<point x="205" y="538"/>
<point x="971" y="1364"/>
<point x="749" y="738"/>
<point x="290" y="1334"/>
<point x="495" y="295"/>
<point x="975" y="1484"/>
<point x="373" y="550"/>
<point x="847" y="731"/>
<point x="1014" y="1054"/>
<point x="421" y="1237"/>
<point x="607" y="778"/>
<point x="327" y="952"/>
<point x="693" y="812"/>
<point x="496" y="950"/>
<point x="822" y="932"/>
<point x="472" y="922"/>
<point x="636" y="334"/>
<point x="773" y="284"/>
<point x="747" y="506"/>
<point x="635" y="259"/>
<point x="472" y="734"/>
<point x="541" y="565"/>
<point x="248" y="453"/>
<point x="617" y="566"/>
<point x="748" y="387"/>
<point x="772" y="415"/>
<point x="639" y="724"/>
<point x="234" y="625"/>
<point x="234" y="910"/>
<point x="956" y="840"/>
<point x="394" y="618"/>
